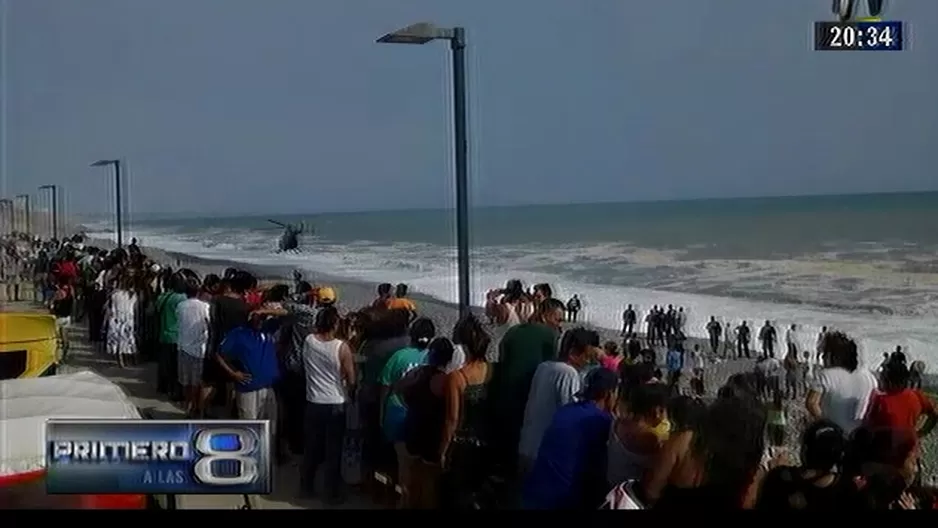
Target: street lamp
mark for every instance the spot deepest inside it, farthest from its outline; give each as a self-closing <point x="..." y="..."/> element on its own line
<point x="26" y="212"/>
<point x="54" y="189"/>
<point x="117" y="194"/>
<point x="421" y="33"/>
<point x="12" y="218"/>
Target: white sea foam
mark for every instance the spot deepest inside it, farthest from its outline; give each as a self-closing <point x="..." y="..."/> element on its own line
<point x="431" y="270"/>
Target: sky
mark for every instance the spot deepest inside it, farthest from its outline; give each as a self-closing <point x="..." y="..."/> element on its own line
<point x="251" y="106"/>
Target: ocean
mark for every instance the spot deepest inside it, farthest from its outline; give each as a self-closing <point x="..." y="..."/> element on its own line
<point x="864" y="264"/>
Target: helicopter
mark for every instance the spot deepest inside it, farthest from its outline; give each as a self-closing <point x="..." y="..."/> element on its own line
<point x="290" y="239"/>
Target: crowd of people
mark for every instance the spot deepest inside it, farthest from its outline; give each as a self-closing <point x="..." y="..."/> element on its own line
<point x="545" y="417"/>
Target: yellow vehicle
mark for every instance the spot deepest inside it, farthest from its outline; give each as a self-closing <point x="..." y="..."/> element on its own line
<point x="28" y="345"/>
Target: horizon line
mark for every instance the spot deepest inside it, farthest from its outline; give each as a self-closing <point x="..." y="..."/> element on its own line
<point x="235" y="214"/>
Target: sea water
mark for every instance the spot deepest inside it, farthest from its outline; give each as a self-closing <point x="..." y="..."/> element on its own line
<point x="866" y="265"/>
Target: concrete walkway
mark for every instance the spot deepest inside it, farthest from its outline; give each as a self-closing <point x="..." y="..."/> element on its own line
<point x="140" y="383"/>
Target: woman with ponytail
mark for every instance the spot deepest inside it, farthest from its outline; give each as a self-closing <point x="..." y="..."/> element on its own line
<point x="393" y="410"/>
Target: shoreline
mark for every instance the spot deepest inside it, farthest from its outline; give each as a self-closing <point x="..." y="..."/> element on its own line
<point x="355" y="294"/>
<point x="603" y="297"/>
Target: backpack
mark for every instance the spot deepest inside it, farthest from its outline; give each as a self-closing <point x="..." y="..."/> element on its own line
<point x="623" y="497"/>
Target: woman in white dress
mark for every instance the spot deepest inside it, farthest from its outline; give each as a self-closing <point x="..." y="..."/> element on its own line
<point x="121" y="321"/>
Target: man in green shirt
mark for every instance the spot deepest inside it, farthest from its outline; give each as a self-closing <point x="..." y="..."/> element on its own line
<point x="521" y="350"/>
<point x="167" y="381"/>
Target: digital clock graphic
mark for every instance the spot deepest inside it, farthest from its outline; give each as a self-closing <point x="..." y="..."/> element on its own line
<point x="858" y="36"/>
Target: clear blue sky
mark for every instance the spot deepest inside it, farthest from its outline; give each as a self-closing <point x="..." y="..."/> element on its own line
<point x="236" y="106"/>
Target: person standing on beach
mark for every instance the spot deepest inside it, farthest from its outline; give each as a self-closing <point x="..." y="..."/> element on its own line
<point x="194" y="321"/>
<point x="570" y="468"/>
<point x="507" y="307"/>
<point x="792" y="374"/>
<point x="675" y="363"/>
<point x="819" y="350"/>
<point x="299" y="321"/>
<point x="522" y="349"/>
<point x="384" y="334"/>
<point x="730" y="339"/>
<point x="650" y="324"/>
<point x="555" y="384"/>
<point x="400" y="301"/>
<point x="714" y="329"/>
<point x="330" y="379"/>
<point x="628" y="320"/>
<point x="229" y="310"/>
<point x="121" y="321"/>
<point x="670" y="321"/>
<point x="166" y="368"/>
<point x="248" y="355"/>
<point x="383" y="299"/>
<point x="743" y="335"/>
<point x="842" y="391"/>
<point x="573" y="308"/>
<point x="900" y="406"/>
<point x="393" y="410"/>
<point x="768" y="336"/>
<point x="791" y="340"/>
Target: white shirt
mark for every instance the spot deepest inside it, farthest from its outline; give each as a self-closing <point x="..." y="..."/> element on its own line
<point x="193" y="316"/>
<point x="790" y="337"/>
<point x="845" y="395"/>
<point x="555" y="384"/>
<point x="459" y="359"/>
<point x="324" y="384"/>
<point x="696" y="360"/>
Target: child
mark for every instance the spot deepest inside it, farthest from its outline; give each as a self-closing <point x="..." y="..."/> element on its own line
<point x="777" y="422"/>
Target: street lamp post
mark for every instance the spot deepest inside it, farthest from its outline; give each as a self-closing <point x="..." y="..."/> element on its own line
<point x="54" y="190"/>
<point x="117" y="195"/>
<point x="422" y="33"/>
<point x="12" y="216"/>
<point x="27" y="220"/>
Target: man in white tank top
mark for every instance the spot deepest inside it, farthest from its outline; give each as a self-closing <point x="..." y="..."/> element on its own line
<point x="330" y="377"/>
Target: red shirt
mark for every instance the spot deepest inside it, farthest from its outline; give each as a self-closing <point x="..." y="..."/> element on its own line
<point x="66" y="270"/>
<point x="611" y="362"/>
<point x="254" y="298"/>
<point x="898" y="409"/>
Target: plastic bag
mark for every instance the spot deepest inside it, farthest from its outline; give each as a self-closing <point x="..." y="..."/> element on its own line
<point x="622" y="497"/>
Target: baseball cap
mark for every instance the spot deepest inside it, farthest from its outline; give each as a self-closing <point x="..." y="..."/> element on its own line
<point x="326" y="294"/>
<point x="598" y="382"/>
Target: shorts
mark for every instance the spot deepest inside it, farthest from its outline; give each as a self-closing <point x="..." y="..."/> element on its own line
<point x="61" y="322"/>
<point x="260" y="404"/>
<point x="190" y="370"/>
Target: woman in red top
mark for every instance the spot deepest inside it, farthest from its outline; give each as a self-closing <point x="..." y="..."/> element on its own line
<point x="898" y="406"/>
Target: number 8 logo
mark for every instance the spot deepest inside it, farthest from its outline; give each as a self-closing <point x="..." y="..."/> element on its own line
<point x="203" y="470"/>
